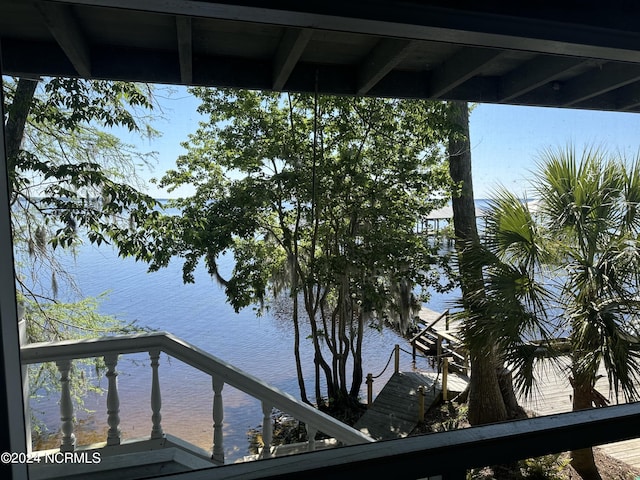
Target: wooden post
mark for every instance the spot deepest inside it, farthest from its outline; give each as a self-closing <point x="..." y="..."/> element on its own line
<point x="397" y="358"/>
<point x="267" y="430"/>
<point x="421" y="403"/>
<point x="218" y="416"/>
<point x="369" y="390"/>
<point x="156" y="398"/>
<point x="445" y="379"/>
<point x="439" y="349"/>
<point x="68" y="442"/>
<point x="113" y="401"/>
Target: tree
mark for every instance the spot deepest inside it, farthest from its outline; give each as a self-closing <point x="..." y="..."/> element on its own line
<point x="69" y="180"/>
<point x="317" y="199"/>
<point x="575" y="255"/>
<point x="590" y="207"/>
<point x="486" y="404"/>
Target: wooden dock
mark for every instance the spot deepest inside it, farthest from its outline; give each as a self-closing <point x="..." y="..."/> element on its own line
<point x="553" y="396"/>
<point x="395" y="411"/>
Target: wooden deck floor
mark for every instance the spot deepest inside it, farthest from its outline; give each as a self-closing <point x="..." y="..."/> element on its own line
<point x="394" y="413"/>
<point x="395" y="409"/>
<point x="553" y="396"/>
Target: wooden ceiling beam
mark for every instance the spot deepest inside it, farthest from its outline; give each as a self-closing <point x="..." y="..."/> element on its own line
<point x="184" y="31"/>
<point x="290" y="49"/>
<point x="387" y="53"/>
<point x="628" y="98"/>
<point x="64" y="27"/>
<point x="536" y="73"/>
<point x="462" y="66"/>
<point x="624" y="99"/>
<point x="521" y="30"/>
<point x="596" y="82"/>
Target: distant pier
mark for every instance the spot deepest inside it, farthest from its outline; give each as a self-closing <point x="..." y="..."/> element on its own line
<point x="440" y="220"/>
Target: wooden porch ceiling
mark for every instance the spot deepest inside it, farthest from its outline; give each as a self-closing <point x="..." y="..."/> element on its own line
<point x="574" y="54"/>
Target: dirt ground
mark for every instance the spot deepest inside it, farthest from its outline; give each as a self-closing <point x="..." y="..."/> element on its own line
<point x="612" y="469"/>
<point x="555" y="467"/>
<point x="609" y="468"/>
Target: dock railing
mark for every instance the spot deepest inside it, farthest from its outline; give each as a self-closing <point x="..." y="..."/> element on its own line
<point x="423" y="340"/>
<point x="440" y="343"/>
<point x="111" y="348"/>
<point x="395" y="354"/>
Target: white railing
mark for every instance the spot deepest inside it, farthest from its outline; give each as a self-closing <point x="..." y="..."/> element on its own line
<point x="110" y="348"/>
<point x="447" y="455"/>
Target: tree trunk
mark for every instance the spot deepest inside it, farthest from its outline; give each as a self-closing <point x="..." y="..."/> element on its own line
<point x="463" y="202"/>
<point x="505" y="380"/>
<point x="485" y="399"/>
<point x="357" y="373"/>
<point x="486" y="404"/>
<point x="296" y="347"/>
<point x="17" y="120"/>
<point x="319" y="361"/>
<point x="582" y="460"/>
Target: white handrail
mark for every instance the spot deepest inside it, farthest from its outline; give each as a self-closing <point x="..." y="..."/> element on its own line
<point x="201" y="360"/>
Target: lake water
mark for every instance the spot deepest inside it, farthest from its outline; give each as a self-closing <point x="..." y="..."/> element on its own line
<point x="199" y="314"/>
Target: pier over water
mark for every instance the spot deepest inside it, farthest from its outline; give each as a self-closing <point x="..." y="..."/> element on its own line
<point x="441" y="220"/>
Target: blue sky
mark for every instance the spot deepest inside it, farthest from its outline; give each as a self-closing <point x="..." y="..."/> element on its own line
<point x="506" y="140"/>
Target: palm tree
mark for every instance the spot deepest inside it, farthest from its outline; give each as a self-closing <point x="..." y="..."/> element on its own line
<point x="578" y="252"/>
<point x="512" y="304"/>
<point x="590" y="209"/>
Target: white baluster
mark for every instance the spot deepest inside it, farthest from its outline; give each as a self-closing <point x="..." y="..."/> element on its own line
<point x="311" y="434"/>
<point x="267" y="430"/>
<point x="218" y="416"/>
<point x="113" y="401"/>
<point x="68" y="442"/>
<point x="156" y="399"/>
